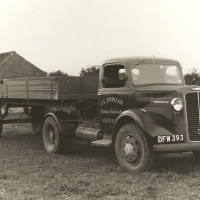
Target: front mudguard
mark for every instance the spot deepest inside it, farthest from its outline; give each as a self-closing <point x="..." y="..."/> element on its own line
<point x="64" y="122"/>
<point x="150" y="123"/>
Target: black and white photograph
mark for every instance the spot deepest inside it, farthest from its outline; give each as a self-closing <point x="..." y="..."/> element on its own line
<point x="99" y="99"/>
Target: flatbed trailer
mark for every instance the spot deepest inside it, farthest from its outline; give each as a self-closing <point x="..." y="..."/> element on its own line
<point x="50" y="88"/>
<point x="37" y="96"/>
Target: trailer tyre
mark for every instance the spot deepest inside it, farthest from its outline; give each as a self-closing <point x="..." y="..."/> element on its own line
<point x="132" y="149"/>
<point x="53" y="141"/>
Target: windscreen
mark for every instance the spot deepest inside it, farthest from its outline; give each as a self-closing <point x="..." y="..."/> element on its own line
<point x="145" y="74"/>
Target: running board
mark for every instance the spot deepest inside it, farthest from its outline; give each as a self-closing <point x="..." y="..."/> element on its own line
<point x="104" y="143"/>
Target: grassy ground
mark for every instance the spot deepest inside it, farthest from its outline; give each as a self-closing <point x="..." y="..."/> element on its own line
<point x="28" y="172"/>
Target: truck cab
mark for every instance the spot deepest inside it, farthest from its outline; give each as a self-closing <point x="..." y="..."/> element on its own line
<point x="145" y="107"/>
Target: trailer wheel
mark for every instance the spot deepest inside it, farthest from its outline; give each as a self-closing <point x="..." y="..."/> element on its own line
<point x="196" y="154"/>
<point x="53" y="141"/>
<point x="133" y="150"/>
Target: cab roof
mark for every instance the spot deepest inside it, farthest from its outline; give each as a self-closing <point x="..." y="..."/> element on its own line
<point x="134" y="60"/>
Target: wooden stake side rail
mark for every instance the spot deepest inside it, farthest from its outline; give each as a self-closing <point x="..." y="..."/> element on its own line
<point x="50" y="88"/>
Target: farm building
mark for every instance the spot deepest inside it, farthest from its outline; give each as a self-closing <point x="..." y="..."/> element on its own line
<point x="12" y="65"/>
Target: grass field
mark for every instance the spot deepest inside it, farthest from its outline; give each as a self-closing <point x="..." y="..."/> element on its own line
<point x="28" y="172"/>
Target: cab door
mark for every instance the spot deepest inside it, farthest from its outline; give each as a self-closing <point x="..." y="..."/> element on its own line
<point x="113" y="95"/>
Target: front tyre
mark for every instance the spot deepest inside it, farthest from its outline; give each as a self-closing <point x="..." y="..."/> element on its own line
<point x="53" y="141"/>
<point x="132" y="149"/>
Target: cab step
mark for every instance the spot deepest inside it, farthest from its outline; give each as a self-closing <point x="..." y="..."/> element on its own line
<point x="105" y="143"/>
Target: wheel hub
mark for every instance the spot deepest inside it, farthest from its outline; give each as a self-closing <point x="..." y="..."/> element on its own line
<point x="130" y="149"/>
<point x="52" y="135"/>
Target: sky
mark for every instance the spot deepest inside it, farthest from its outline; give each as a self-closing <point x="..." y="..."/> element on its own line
<point x="68" y="35"/>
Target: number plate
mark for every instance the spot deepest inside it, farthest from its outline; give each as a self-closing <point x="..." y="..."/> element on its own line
<point x="170" y="138"/>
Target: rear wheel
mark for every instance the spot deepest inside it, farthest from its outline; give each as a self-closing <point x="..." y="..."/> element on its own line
<point x="53" y="141"/>
<point x="132" y="149"/>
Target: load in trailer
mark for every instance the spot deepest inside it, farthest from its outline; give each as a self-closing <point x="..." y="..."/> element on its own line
<point x="139" y="106"/>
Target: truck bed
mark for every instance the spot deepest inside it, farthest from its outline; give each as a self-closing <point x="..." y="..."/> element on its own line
<point x="55" y="88"/>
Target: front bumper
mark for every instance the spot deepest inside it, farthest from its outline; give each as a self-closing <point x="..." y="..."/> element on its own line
<point x="176" y="147"/>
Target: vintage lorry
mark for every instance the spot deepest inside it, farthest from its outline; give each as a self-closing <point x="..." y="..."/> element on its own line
<point x="138" y="105"/>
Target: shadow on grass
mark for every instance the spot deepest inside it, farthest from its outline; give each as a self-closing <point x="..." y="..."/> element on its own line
<point x="179" y="163"/>
<point x="15" y="136"/>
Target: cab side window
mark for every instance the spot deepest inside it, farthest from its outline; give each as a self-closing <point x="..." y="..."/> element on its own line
<point x="114" y="76"/>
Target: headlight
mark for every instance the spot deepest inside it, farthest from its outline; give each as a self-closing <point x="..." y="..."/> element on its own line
<point x="177" y="104"/>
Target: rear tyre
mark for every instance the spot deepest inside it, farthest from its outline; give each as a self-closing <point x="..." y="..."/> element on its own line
<point x="133" y="150"/>
<point x="53" y="141"/>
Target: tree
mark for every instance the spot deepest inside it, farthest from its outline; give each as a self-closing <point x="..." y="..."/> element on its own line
<point x="58" y="73"/>
<point x="192" y="77"/>
<point x="92" y="70"/>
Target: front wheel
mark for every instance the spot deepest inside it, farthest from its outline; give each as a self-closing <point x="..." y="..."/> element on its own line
<point x="133" y="150"/>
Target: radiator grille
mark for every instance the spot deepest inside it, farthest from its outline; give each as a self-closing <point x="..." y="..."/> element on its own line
<point x="192" y="109"/>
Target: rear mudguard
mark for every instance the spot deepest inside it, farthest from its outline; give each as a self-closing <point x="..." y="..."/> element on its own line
<point x="64" y="122"/>
<point x="150" y="123"/>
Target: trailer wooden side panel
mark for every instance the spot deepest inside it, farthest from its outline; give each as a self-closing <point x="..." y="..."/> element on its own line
<point x="90" y="87"/>
<point x="30" y="88"/>
<point x="56" y="88"/>
<point x="78" y="87"/>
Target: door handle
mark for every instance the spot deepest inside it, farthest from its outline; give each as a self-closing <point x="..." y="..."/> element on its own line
<point x="99" y="94"/>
